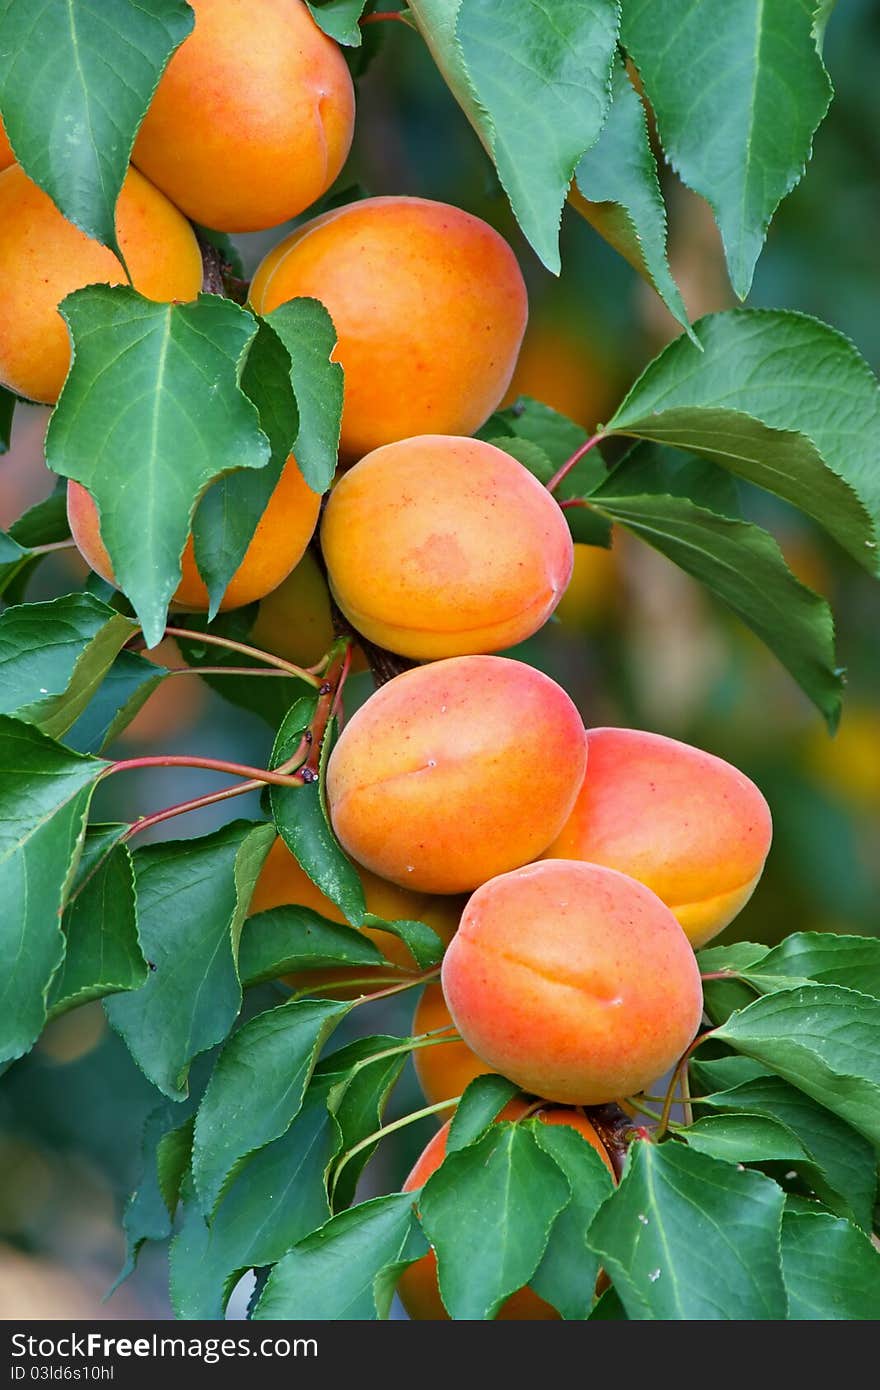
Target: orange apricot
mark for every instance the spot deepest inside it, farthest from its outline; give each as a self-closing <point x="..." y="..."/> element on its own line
<point x="252" y="119"/>
<point x="418" y="1288"/>
<point x="453" y="772"/>
<point x="442" y="546"/>
<point x="573" y="980"/>
<point x="446" y="1069"/>
<point x="689" y="825"/>
<point x="43" y="257"/>
<point x="282" y="882"/>
<point x="295" y="621"/>
<point x="429" y="306"/>
<point x="6" y="155"/>
<point x="283" y="532"/>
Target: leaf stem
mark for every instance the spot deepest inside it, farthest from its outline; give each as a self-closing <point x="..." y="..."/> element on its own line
<point x="212" y="639"/>
<point x="196" y="804"/>
<point x="678" y="1077"/>
<point x="225" y="671"/>
<point x="383" y="15"/>
<point x="721" y="975"/>
<point x="379" y="1134"/>
<point x="562" y="473"/>
<point x="413" y="980"/>
<point x="258" y="775"/>
<point x="50" y="546"/>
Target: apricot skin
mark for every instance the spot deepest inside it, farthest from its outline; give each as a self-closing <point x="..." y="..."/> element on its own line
<point x="429" y="306"/>
<point x="6" y="155"/>
<point x="418" y="1287"/>
<point x="446" y="1069"/>
<point x="689" y="825"/>
<point x="573" y="980"/>
<point x="43" y="257"/>
<point x="454" y="772"/>
<point x="441" y="546"/>
<point x="252" y="119"/>
<point x="279" y="541"/>
<point x="283" y="882"/>
<point x="295" y="620"/>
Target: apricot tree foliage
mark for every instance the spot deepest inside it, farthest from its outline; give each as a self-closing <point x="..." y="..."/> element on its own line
<point x="759" y="1202"/>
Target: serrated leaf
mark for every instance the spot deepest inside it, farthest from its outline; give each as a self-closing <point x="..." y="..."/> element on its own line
<point x="76" y="82"/>
<point x="644" y="1235"/>
<point x="831" y="1270"/>
<point x="361" y="1076"/>
<point x="745" y="1138"/>
<point x="301" y="817"/>
<point x="488" y="1211"/>
<point x="192" y="898"/>
<point x="742" y="565"/>
<point x="148" y="1214"/>
<point x="151" y="413"/>
<point x="124" y="691"/>
<point x="45" y="791"/>
<point x="821" y="1038"/>
<point x="779" y="399"/>
<point x="53" y="657"/>
<point x="535" y="85"/>
<point x="566" y="1276"/>
<point x="650" y="469"/>
<point x="276" y="1198"/>
<point x="737" y="956"/>
<point x="307" y="332"/>
<point x="483" y="1100"/>
<point x="257" y="1087"/>
<point x="825" y="957"/>
<point x="290" y="938"/>
<point x="738" y="91"/>
<point x="331" y="1275"/>
<point x="608" y="1308"/>
<point x="103" y="954"/>
<point x="844" y="1175"/>
<point x="339" y="19"/>
<point x="422" y="942"/>
<point x="173" y="1155"/>
<point x="618" y="192"/>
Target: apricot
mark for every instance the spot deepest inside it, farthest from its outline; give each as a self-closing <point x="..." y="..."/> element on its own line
<point x="442" y="546"/>
<point x="573" y="980"/>
<point x="282" y="882"/>
<point x="445" y="1070"/>
<point x="283" y="532"/>
<point x="418" y="1288"/>
<point x="6" y="155"/>
<point x="566" y="368"/>
<point x="453" y="772"/>
<point x="43" y="257"/>
<point x="295" y="620"/>
<point x="687" y="824"/>
<point x="429" y="306"/>
<point x="252" y="119"/>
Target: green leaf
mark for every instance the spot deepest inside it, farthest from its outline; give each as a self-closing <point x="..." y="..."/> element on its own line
<point x="124" y="691"/>
<point x="300" y="815"/>
<point x="41" y="524"/>
<point x="76" y="81"/>
<point x="535" y="84"/>
<point x="566" y="1276"/>
<point x="339" y="19"/>
<point x="423" y="943"/>
<point x="363" y="1074"/>
<point x="608" y="1308"/>
<point x="332" y="1274"/>
<point x="738" y="956"/>
<point x="45" y="791"/>
<point x="192" y="898"/>
<point x="779" y="399"/>
<point x="850" y="961"/>
<point x="257" y="1087"/>
<point x="484" y="1099"/>
<point x="653" y="469"/>
<point x="150" y="414"/>
<point x="745" y="1138"/>
<point x="687" y="1237"/>
<point x="831" y="1270"/>
<point x="844" y="1172"/>
<point x="148" y="1213"/>
<point x="53" y="657"/>
<point x="620" y="193"/>
<point x="275" y="1199"/>
<point x="7" y="408"/>
<point x="821" y="1038"/>
<point x="738" y="91"/>
<point x="306" y="330"/>
<point x="103" y="954"/>
<point x="742" y="565"/>
<point x="286" y="939"/>
<point x="13" y="560"/>
<point x="488" y="1211"/>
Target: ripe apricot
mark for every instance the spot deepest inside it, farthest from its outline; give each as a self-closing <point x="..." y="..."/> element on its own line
<point x="418" y="1288"/>
<point x="252" y="119"/>
<point x="689" y="825"/>
<point x="283" y="532"/>
<point x="445" y="1070"/>
<point x="442" y="546"/>
<point x="456" y="771"/>
<point x="6" y="155"/>
<point x="283" y="882"/>
<point x="295" y="620"/>
<point x="429" y="306"/>
<point x="573" y="980"/>
<point x="43" y="257"/>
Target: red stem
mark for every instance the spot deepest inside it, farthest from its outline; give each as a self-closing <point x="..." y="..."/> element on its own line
<point x="383" y="14"/>
<point x="211" y="639"/>
<point x="256" y="774"/>
<point x="196" y="804"/>
<point x="721" y="975"/>
<point x="329" y="695"/>
<point x="226" y="671"/>
<point x="576" y="457"/>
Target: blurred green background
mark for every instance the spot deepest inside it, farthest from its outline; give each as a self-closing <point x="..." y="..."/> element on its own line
<point x="636" y="642"/>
